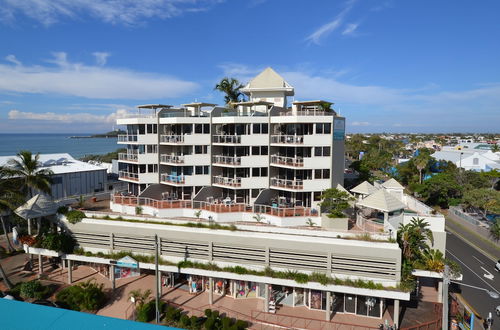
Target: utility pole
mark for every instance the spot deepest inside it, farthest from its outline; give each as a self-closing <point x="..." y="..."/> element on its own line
<point x="446" y="282"/>
<point x="157" y="281"/>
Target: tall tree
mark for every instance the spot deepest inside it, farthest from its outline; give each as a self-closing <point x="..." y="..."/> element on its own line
<point x="231" y="87"/>
<point x="421" y="162"/>
<point x="27" y="171"/>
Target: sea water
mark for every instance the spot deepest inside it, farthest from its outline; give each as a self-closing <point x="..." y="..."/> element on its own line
<point x="11" y="144"/>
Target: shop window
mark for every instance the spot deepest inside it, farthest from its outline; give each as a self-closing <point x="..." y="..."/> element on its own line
<point x="361" y="309"/>
<point x="316" y="299"/>
<point x="350" y="303"/>
<point x="373" y="305"/>
<point x="338" y="303"/>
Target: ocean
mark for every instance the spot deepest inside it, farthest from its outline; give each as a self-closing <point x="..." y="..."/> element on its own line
<point x="11" y="144"/>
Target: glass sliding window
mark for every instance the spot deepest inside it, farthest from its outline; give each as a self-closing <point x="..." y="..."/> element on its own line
<point x="338" y="303"/>
<point x="361" y="309"/>
<point x="373" y="305"/>
<point x="350" y="303"/>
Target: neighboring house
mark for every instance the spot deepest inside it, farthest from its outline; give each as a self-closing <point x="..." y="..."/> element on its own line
<point x="470" y="159"/>
<point x="71" y="177"/>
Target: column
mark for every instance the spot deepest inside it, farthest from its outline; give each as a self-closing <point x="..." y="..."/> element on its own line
<point x="328" y="305"/>
<point x="440" y="292"/>
<point x="233" y="286"/>
<point x="210" y="291"/>
<point x="40" y="265"/>
<point x="396" y="313"/>
<point x="266" y="298"/>
<point x="70" y="272"/>
<point x="112" y="276"/>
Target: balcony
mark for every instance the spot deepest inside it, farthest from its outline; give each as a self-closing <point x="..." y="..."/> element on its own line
<point x="172" y="159"/>
<point x="126" y="138"/>
<point x="128" y="157"/>
<point x="287" y="161"/>
<point x="172" y="139"/>
<point x="287" y="139"/>
<point x="228" y="182"/>
<point x="128" y="175"/>
<point x="233" y="139"/>
<point x="287" y="184"/>
<point x="227" y="160"/>
<point x="175" y="179"/>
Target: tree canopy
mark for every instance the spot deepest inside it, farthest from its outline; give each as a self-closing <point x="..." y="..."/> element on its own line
<point x="231" y="87"/>
<point x="335" y="201"/>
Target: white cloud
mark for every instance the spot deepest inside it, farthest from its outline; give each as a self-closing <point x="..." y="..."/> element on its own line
<point x="359" y="123"/>
<point x="128" y="12"/>
<point x="12" y="59"/>
<point x="331" y="26"/>
<point x="97" y="82"/>
<point x="101" y="57"/>
<point x="68" y="117"/>
<point x="350" y="29"/>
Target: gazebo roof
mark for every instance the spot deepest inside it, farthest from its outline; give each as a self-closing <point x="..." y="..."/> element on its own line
<point x="341" y="188"/>
<point x="38" y="206"/>
<point x="392" y="184"/>
<point x="364" y="188"/>
<point x="382" y="200"/>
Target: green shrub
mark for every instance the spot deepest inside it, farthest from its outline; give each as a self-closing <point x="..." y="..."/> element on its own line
<point x="173" y="314"/>
<point x="86" y="296"/>
<point x="62" y="210"/>
<point x="75" y="216"/>
<point x="146" y="312"/>
<point x="57" y="242"/>
<point x="184" y="320"/>
<point x="241" y="325"/>
<point x="34" y="290"/>
<point x="208" y="313"/>
<point x="194" y="322"/>
<point x="138" y="210"/>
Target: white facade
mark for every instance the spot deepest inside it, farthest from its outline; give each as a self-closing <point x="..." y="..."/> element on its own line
<point x="291" y="153"/>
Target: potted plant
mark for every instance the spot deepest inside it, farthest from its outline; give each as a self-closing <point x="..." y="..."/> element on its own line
<point x="333" y="204"/>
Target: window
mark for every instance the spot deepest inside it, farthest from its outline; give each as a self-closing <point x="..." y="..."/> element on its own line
<point x="256" y="128"/>
<point x="260" y="129"/>
<point x="152" y="168"/>
<point x="255" y="193"/>
<point x="322" y="151"/>
<point x="198" y="129"/>
<point x="201" y="170"/>
<point x="200" y="149"/>
<point x="317" y="196"/>
<point x="259" y="171"/>
<point x="264" y="150"/>
<point x="206" y="128"/>
<point x="322" y="174"/>
<point x="265" y="129"/>
<point x="323" y="128"/>
<point x="151" y="148"/>
<point x="151" y="128"/>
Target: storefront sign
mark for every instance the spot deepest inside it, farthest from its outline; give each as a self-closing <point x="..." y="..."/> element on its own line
<point x="127" y="262"/>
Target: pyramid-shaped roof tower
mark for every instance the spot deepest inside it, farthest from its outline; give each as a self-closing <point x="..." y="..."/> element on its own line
<point x="392" y="184"/>
<point x="364" y="188"/>
<point x="268" y="80"/>
<point x="382" y="200"/>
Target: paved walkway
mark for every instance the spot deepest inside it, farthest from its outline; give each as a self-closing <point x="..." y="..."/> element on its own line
<point x="472" y="236"/>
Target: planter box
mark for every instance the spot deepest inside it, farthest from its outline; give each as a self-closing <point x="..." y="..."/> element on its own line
<point x="334" y="223"/>
<point x="44" y="252"/>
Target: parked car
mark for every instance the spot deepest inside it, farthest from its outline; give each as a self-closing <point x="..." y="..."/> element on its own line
<point x="6" y="296"/>
<point x="497" y="266"/>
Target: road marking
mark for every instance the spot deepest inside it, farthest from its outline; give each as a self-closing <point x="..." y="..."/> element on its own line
<point x="488" y="284"/>
<point x="466" y="241"/>
<point x="482" y="263"/>
<point x="488" y="275"/>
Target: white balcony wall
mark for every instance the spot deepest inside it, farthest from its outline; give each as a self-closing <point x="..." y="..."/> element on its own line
<point x="195" y="159"/>
<point x="301" y="119"/>
<point x="147" y="158"/>
<point x="255" y="182"/>
<point x="255" y="161"/>
<point x="239" y="120"/>
<point x="148" y="177"/>
<point x="316" y="185"/>
<point x="198" y="180"/>
<point x="317" y="162"/>
<point x="197" y="139"/>
<point x="147" y="139"/>
<point x="318" y="140"/>
<point x="255" y="139"/>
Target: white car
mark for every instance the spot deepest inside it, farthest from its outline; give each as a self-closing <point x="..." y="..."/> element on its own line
<point x="497" y="266"/>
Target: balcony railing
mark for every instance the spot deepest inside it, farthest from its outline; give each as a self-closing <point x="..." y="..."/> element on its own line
<point x="227" y="160"/>
<point x="178" y="179"/>
<point x="127" y="138"/>
<point x="227" y="139"/>
<point x="171" y="138"/>
<point x="288" y="184"/>
<point x="128" y="175"/>
<point x="297" y="211"/>
<point x="172" y="159"/>
<point x="131" y="157"/>
<point x="306" y="113"/>
<point x="289" y="161"/>
<point x="287" y="139"/>
<point x="225" y="181"/>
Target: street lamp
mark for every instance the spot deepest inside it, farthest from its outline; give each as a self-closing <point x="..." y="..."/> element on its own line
<point x="461" y="160"/>
<point x="492" y="294"/>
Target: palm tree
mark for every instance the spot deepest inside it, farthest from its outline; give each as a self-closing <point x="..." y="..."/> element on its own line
<point x="140" y="297"/>
<point x="421" y="162"/>
<point x="28" y="172"/>
<point x="9" y="197"/>
<point x="231" y="87"/>
<point x="413" y="238"/>
<point x="495" y="148"/>
<point x="258" y="217"/>
<point x="434" y="260"/>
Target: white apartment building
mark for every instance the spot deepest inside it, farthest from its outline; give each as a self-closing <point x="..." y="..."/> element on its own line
<point x="261" y="152"/>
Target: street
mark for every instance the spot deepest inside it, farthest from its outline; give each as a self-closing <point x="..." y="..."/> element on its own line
<point x="479" y="271"/>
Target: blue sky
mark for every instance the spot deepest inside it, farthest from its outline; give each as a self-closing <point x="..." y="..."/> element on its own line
<point x="389" y="66"/>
